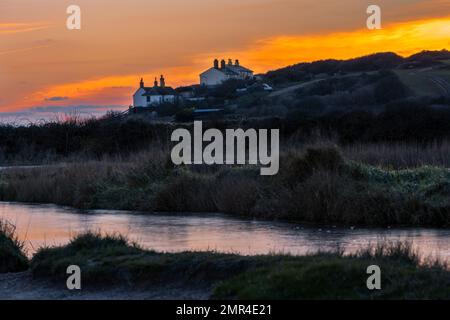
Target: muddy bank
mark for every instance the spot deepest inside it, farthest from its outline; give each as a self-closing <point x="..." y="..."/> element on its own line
<point x="22" y="286"/>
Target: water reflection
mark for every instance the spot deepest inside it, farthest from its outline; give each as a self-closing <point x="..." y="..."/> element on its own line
<point x="48" y="225"/>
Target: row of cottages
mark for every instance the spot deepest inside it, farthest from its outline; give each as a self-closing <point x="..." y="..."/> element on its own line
<point x="160" y="93"/>
<point x="154" y="96"/>
<point x="226" y="71"/>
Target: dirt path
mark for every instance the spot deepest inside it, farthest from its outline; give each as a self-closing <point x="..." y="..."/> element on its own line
<point x="442" y="84"/>
<point x="21" y="286"/>
<point x="297" y="86"/>
<point x="293" y="88"/>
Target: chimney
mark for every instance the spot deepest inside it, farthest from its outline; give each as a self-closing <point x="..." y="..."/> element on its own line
<point x="216" y="64"/>
<point x="162" y="82"/>
<point x="222" y="64"/>
<point x="155" y="84"/>
<point x="141" y="84"/>
<point x="236" y="63"/>
<point x="230" y="62"/>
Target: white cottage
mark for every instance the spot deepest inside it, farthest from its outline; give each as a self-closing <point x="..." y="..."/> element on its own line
<point x="217" y="75"/>
<point x="154" y="96"/>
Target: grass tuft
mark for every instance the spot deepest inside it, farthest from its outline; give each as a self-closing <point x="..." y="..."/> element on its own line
<point x="12" y="256"/>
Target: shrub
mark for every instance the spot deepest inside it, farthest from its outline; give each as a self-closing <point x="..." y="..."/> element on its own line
<point x="300" y="168"/>
<point x="238" y="198"/>
<point x="185" y="192"/>
<point x="311" y="105"/>
<point x="185" y="115"/>
<point x="389" y="88"/>
<point x="12" y="257"/>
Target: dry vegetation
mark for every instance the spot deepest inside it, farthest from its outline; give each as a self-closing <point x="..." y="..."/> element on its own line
<point x="362" y="185"/>
<point x="400" y="156"/>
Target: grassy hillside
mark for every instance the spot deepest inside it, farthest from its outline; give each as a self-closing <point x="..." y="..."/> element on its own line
<point x="427" y="81"/>
<point x="370" y="63"/>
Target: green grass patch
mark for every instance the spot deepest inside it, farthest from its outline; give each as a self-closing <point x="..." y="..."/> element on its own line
<point x="335" y="276"/>
<point x="111" y="259"/>
<point x="418" y="82"/>
<point x="107" y="260"/>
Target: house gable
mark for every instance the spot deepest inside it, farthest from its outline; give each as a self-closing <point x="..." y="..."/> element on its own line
<point x="217" y="75"/>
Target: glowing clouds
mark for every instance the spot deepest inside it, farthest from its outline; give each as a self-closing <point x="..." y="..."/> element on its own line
<point x="402" y="38"/>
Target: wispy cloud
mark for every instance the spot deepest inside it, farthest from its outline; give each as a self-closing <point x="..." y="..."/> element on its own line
<point x="22" y="49"/>
<point x="57" y="98"/>
<point x="50" y="113"/>
<point x="10" y="28"/>
<point x="85" y="109"/>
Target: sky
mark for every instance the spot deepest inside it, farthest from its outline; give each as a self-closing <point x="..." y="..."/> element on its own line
<point x="47" y="70"/>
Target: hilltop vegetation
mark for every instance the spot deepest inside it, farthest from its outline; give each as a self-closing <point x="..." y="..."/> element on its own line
<point x="410" y="120"/>
<point x="374" y="62"/>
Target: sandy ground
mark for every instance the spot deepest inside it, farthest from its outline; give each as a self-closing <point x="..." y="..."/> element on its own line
<point x="21" y="286"/>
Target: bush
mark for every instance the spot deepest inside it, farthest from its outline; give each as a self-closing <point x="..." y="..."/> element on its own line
<point x="389" y="88"/>
<point x="185" y="115"/>
<point x="185" y="192"/>
<point x="12" y="257"/>
<point x="300" y="168"/>
<point x="310" y="105"/>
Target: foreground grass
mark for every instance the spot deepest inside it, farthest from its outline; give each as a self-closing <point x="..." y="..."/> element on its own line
<point x="107" y="260"/>
<point x="12" y="258"/>
<point x="318" y="185"/>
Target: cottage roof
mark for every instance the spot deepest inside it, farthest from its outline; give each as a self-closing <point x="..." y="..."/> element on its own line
<point x="237" y="69"/>
<point x="232" y="70"/>
<point x="185" y="89"/>
<point x="159" y="91"/>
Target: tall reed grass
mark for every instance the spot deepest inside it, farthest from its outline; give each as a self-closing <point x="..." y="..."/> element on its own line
<point x="323" y="183"/>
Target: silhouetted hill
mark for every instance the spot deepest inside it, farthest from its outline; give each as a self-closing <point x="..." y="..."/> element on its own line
<point x="432" y="55"/>
<point x="373" y="62"/>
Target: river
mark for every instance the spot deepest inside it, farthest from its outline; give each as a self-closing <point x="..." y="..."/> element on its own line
<point x="49" y="225"/>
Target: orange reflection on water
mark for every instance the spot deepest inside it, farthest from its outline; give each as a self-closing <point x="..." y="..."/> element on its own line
<point x="49" y="225"/>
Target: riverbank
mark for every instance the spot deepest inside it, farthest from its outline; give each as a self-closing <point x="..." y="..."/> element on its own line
<point x="316" y="185"/>
<point x="22" y="286"/>
<point x="111" y="264"/>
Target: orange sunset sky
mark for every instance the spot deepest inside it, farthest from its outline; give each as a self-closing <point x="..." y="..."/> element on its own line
<point x="44" y="67"/>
